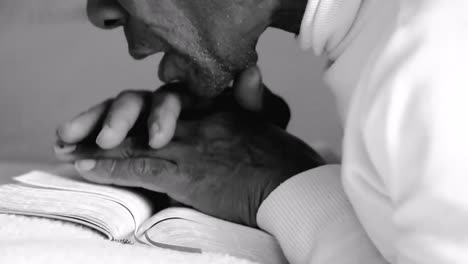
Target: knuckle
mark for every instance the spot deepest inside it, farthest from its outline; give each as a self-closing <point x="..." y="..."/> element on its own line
<point x="110" y="166"/>
<point x="148" y="167"/>
<point x="130" y="96"/>
<point x="141" y="167"/>
<point x="117" y="119"/>
<point x="127" y="94"/>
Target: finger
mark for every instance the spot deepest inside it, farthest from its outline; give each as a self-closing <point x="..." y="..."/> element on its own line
<point x="121" y="117"/>
<point x="148" y="173"/>
<point x="164" y="113"/>
<point x="248" y="89"/>
<point x="83" y="125"/>
<point x="61" y="149"/>
<point x="128" y="149"/>
<point x="251" y="94"/>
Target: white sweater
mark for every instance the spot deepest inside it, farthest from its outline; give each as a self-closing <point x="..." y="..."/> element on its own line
<point x="400" y="76"/>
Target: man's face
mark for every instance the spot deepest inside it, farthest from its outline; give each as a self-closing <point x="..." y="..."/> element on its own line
<point x="206" y="42"/>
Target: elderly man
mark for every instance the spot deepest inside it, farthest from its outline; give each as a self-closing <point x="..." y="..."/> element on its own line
<point x="396" y="70"/>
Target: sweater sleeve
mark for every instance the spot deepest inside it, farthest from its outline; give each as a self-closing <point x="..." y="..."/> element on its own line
<point x="313" y="221"/>
<point x="417" y="135"/>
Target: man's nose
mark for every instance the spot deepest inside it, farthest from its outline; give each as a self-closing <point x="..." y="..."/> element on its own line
<point x="106" y="14"/>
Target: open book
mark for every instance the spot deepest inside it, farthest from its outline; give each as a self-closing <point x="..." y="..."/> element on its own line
<point x="128" y="216"/>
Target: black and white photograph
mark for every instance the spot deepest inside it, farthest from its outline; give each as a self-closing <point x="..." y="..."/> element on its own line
<point x="234" y="131"/>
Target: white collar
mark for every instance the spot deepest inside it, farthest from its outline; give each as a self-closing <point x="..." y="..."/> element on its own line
<point x="326" y="23"/>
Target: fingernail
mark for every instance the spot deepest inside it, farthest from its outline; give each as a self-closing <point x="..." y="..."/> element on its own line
<point x="61" y="148"/>
<point x="85" y="165"/>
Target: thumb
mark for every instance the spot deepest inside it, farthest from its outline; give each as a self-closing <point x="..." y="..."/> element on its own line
<point x="142" y="172"/>
<point x="248" y="89"/>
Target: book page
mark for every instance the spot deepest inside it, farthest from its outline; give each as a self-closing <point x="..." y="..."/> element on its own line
<point x="106" y="216"/>
<point x="189" y="230"/>
<point x="138" y="206"/>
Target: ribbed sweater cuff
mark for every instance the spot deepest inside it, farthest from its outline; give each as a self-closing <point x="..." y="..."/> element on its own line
<point x="310" y="213"/>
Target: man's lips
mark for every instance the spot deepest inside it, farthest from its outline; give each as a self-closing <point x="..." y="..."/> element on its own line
<point x="173" y="68"/>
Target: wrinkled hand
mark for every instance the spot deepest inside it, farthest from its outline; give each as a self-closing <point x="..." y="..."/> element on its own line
<point x="223" y="164"/>
<point x="223" y="160"/>
<point x="109" y="122"/>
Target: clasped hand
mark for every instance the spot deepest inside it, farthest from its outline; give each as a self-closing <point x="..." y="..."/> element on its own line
<point x="222" y="156"/>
